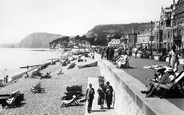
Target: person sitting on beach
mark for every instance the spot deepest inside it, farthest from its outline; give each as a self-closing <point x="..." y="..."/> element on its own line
<point x="73" y="101"/>
<point x="26" y="76"/>
<point x="6" y="79"/>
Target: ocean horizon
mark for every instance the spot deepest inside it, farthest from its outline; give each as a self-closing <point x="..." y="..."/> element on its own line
<point x="12" y="59"/>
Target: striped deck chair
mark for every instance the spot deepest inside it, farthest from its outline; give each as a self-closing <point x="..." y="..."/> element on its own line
<point x="176" y="82"/>
<point x="127" y="64"/>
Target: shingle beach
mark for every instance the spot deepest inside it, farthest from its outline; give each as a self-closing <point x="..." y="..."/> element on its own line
<point x="49" y="103"/>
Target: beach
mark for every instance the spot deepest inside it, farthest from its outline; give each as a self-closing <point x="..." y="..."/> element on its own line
<point x="49" y="103"/>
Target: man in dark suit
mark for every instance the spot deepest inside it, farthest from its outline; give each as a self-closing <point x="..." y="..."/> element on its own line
<point x="89" y="97"/>
<point x="109" y="94"/>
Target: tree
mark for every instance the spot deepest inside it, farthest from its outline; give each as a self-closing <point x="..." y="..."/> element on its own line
<point x="116" y="36"/>
<point x="64" y="41"/>
<point x="91" y="40"/>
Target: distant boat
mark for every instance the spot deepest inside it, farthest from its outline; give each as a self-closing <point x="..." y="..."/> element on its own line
<point x="64" y="49"/>
<point x="29" y="66"/>
<point x="60" y="49"/>
<point x="93" y="64"/>
<point x="67" y="49"/>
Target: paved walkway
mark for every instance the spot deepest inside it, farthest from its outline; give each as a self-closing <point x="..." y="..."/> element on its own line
<point x="141" y="74"/>
<point x="96" y="108"/>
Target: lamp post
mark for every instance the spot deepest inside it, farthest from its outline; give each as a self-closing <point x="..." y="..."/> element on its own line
<point x="151" y="40"/>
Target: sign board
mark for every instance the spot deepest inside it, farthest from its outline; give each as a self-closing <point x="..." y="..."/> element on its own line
<point x="182" y="38"/>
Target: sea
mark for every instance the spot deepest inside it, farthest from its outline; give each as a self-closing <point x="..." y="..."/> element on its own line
<point x="11" y="59"/>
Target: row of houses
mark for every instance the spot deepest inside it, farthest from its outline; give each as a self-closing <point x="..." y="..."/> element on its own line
<point x="164" y="33"/>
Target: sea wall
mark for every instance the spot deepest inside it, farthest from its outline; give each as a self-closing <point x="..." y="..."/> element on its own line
<point x="128" y="98"/>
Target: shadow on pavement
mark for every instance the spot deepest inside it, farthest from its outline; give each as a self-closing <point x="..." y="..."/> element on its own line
<point x="20" y="105"/>
<point x="128" y="68"/>
<point x="101" y="110"/>
<point x="173" y="94"/>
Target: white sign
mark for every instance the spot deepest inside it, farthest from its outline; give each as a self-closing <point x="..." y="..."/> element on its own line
<point x="182" y="38"/>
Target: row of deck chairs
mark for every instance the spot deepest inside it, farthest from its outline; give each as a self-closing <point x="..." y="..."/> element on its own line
<point x="38" y="74"/>
<point x="15" y="99"/>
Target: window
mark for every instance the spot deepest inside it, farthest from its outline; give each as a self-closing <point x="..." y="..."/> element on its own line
<point x="164" y="36"/>
<point x="168" y="35"/>
<point x="171" y="33"/>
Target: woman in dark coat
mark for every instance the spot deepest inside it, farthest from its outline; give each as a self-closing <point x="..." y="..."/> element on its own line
<point x="101" y="95"/>
<point x="107" y="53"/>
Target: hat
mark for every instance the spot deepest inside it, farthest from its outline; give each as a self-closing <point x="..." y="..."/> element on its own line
<point x="162" y="70"/>
<point x="174" y="47"/>
<point x="107" y="82"/>
<point x="74" y="96"/>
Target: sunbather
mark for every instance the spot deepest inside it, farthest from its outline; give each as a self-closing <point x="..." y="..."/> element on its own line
<point x="73" y="101"/>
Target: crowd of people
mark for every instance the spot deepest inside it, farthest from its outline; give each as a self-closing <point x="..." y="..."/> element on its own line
<point x="118" y="56"/>
<point x="164" y="79"/>
<point x="105" y="94"/>
<point x="121" y="56"/>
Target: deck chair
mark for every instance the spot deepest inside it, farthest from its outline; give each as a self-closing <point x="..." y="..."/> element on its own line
<point x="126" y="64"/>
<point x="1" y="82"/>
<point x="176" y="82"/>
<point x="60" y="72"/>
<point x="14" y="99"/>
<point x="36" y="73"/>
<point x="72" y="102"/>
<point x="47" y="75"/>
<point x="71" y="66"/>
<point x="37" y="88"/>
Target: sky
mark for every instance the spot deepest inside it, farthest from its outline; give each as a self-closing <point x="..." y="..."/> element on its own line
<point x="19" y="18"/>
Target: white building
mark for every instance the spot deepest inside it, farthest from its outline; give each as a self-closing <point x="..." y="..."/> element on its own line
<point x="114" y="43"/>
<point x="144" y="39"/>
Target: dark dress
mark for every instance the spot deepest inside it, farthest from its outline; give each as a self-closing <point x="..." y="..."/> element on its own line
<point x="111" y="53"/>
<point x="101" y="96"/>
<point x="108" y="92"/>
<point x="107" y="53"/>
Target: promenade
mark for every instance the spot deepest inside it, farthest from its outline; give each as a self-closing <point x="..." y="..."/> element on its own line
<point x="141" y="74"/>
